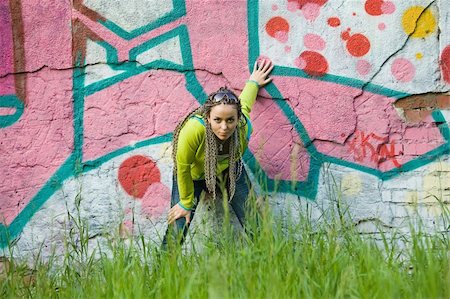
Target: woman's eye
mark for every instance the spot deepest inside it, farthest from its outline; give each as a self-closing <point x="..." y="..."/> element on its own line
<point x="230" y="121"/>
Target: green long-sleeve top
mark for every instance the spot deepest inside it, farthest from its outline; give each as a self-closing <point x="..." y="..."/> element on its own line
<point x="191" y="148"/>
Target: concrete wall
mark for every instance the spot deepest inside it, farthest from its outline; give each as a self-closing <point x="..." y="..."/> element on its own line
<point x="91" y="91"/>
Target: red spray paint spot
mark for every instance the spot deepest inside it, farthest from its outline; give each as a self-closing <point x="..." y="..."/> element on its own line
<point x="379" y="7"/>
<point x="301" y="3"/>
<point x="278" y="28"/>
<point x="137" y="173"/>
<point x="334" y="22"/>
<point x="445" y="64"/>
<point x="358" y="44"/>
<point x="345" y="35"/>
<point x="309" y="8"/>
<point x="312" y="63"/>
<point x="373" y="7"/>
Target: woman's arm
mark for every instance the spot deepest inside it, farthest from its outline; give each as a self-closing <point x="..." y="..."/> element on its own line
<point x="189" y="139"/>
<point x="258" y="78"/>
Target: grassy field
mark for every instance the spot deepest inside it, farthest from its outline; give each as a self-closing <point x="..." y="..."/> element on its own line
<point x="298" y="260"/>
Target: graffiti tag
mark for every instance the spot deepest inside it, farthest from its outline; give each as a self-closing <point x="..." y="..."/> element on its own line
<point x="371" y="145"/>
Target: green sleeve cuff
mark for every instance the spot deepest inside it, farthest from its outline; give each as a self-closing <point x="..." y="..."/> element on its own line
<point x="254" y="82"/>
<point x="184" y="208"/>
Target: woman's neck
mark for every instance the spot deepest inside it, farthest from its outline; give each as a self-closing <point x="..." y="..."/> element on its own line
<point x="222" y="145"/>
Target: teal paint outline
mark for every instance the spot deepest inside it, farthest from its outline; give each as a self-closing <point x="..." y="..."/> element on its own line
<point x="78" y="108"/>
<point x="10" y="101"/>
<point x="316" y="156"/>
<point x="178" y="11"/>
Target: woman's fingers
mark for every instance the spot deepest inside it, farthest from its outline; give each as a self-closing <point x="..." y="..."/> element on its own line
<point x="267" y="80"/>
<point x="262" y="65"/>
<point x="172" y="215"/>
<point x="177" y="212"/>
<point x="255" y="67"/>
<point x="267" y="71"/>
<point x="265" y="67"/>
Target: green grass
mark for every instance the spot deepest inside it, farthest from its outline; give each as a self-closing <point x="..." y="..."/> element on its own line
<point x="293" y="260"/>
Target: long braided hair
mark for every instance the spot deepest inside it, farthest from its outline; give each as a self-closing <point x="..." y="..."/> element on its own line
<point x="211" y="150"/>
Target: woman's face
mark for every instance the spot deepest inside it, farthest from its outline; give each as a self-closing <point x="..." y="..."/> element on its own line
<point x="223" y="119"/>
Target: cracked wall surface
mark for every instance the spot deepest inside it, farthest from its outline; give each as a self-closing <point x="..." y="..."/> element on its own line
<point x="91" y="91"/>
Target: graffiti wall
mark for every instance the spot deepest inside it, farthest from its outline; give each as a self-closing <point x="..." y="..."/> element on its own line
<point x="91" y="91"/>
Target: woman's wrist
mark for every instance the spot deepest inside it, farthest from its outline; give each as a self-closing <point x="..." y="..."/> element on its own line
<point x="183" y="207"/>
<point x="254" y="82"/>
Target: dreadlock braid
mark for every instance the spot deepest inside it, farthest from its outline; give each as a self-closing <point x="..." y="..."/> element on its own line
<point x="235" y="162"/>
<point x="211" y="150"/>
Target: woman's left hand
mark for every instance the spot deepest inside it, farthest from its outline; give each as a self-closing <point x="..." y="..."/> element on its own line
<point x="261" y="72"/>
<point x="177" y="212"/>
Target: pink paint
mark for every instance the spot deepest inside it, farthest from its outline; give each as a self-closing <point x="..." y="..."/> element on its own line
<point x="34" y="147"/>
<point x="328" y="115"/>
<point x="281" y="36"/>
<point x="38" y="144"/>
<point x="330" y="119"/>
<point x="123" y="46"/>
<point x="382" y="26"/>
<point x="292" y="6"/>
<point x="273" y="143"/>
<point x="134" y="110"/>
<point x="403" y="70"/>
<point x="156" y="201"/>
<point x="300" y="63"/>
<point x="311" y="11"/>
<point x="363" y="67"/>
<point x="208" y="41"/>
<point x="7" y="85"/>
<point x="388" y="7"/>
<point x="274" y="7"/>
<point x="314" y="42"/>
<point x="7" y="111"/>
<point x="287" y="49"/>
<point x="44" y="45"/>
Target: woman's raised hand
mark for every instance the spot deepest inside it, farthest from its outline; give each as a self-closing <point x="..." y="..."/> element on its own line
<point x="261" y="72"/>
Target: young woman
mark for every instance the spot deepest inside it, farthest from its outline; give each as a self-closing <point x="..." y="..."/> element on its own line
<point x="209" y="143"/>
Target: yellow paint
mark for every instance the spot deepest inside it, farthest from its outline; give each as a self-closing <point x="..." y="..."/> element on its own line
<point x="418" y="24"/>
<point x="436" y="183"/>
<point x="412" y="197"/>
<point x="419" y="55"/>
<point x="351" y="184"/>
<point x="436" y="186"/>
